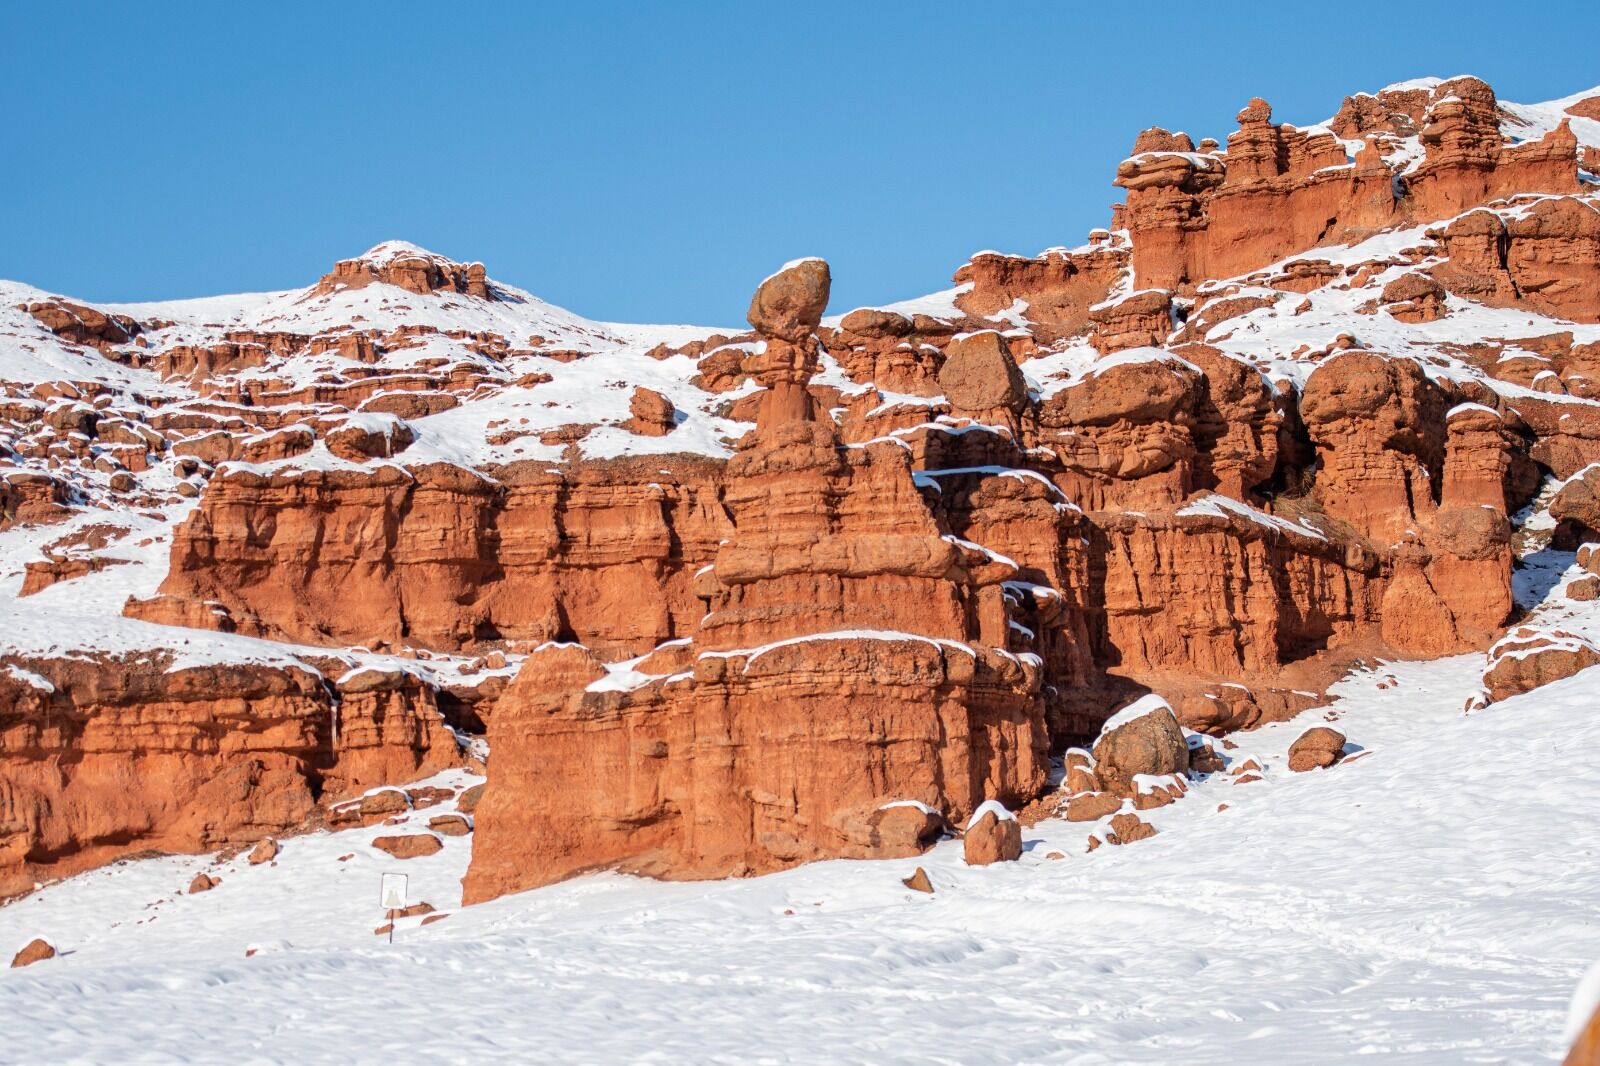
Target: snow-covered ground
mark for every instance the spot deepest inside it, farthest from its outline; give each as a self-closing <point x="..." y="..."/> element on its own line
<point x="1432" y="902"/>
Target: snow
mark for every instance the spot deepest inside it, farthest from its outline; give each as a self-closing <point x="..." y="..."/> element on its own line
<point x="1223" y="506"/>
<point x="1144" y="705"/>
<point x="750" y="655"/>
<point x="1585" y="1003"/>
<point x="994" y="807"/>
<point x="941" y="305"/>
<point x="1416" y="905"/>
<point x="917" y="804"/>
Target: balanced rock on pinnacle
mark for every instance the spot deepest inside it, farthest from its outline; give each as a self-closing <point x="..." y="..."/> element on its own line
<point x="789" y="304"/>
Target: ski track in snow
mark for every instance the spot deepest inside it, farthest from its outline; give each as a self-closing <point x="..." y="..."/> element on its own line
<point x="1433" y="902"/>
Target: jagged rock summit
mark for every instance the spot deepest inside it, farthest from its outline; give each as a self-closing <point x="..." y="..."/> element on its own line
<point x="722" y="601"/>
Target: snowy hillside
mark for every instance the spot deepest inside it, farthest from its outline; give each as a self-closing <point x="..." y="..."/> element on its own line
<point x="1424" y="903"/>
<point x="410" y="571"/>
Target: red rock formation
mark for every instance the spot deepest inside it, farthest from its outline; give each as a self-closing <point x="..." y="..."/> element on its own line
<point x="993" y="835"/>
<point x="1546" y="257"/>
<point x="412" y="269"/>
<point x="853" y="656"/>
<point x="1059" y="287"/>
<point x="1317" y="748"/>
<point x="1142" y="739"/>
<point x="1528" y="658"/>
<point x="409" y="845"/>
<point x="446" y="557"/>
<point x="83" y="325"/>
<point x="855" y="627"/>
<point x="100" y="758"/>
<point x="652" y="414"/>
<point x="36" y="950"/>
<point x="1278" y="190"/>
<point x="1137" y="321"/>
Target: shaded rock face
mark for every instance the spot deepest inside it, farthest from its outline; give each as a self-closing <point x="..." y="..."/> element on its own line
<point x="124" y="756"/>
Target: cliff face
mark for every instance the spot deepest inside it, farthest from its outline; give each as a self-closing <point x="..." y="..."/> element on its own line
<point x="449" y="558"/>
<point x="818" y="588"/>
<point x="1276" y="191"/>
<point x="108" y="756"/>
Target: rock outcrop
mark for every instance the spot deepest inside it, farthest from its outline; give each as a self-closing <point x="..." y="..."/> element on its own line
<point x="853" y="654"/>
<point x="106" y="757"/>
<point x="1529" y="658"/>
<point x="724" y="602"/>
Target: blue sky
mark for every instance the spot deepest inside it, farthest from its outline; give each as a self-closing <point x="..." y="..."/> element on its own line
<point x="653" y="161"/>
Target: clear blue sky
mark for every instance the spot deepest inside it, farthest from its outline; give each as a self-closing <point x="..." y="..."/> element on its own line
<point x="652" y="161"/>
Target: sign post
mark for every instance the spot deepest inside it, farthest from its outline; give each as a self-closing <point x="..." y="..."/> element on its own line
<point x="392" y="893"/>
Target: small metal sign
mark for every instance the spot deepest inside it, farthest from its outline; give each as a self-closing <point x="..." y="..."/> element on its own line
<point x="393" y="892"/>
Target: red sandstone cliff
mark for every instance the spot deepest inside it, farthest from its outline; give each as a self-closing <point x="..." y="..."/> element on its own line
<point x="818" y="588"/>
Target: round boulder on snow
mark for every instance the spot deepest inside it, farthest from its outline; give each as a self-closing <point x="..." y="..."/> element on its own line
<point x="993" y="835"/>
<point x="1315" y="749"/>
<point x="1142" y="738"/>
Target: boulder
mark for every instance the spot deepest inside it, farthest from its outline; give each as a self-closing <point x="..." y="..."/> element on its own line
<point x="384" y="803"/>
<point x="874" y="323"/>
<point x="469" y="799"/>
<point x="789" y="304"/>
<point x="373" y="437"/>
<point x="203" y="883"/>
<point x="652" y="414"/>
<point x="37" y="950"/>
<point x="428" y="796"/>
<point x="1203" y="756"/>
<point x="1128" y="827"/>
<point x="918" y="882"/>
<point x="1415" y="298"/>
<point x="1576" y="508"/>
<point x="1080" y="776"/>
<point x="993" y="835"/>
<point x="1092" y="806"/>
<point x="1317" y="748"/>
<point x="1527" y="658"/>
<point x="409" y="845"/>
<point x="265" y="851"/>
<point x="894" y="830"/>
<point x="979" y="374"/>
<point x="1142" y="738"/>
<point x="450" y="825"/>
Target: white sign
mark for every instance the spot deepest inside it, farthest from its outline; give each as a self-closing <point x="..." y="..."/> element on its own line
<point x="393" y="892"/>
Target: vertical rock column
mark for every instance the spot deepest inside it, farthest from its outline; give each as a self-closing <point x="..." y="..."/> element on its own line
<point x="846" y="680"/>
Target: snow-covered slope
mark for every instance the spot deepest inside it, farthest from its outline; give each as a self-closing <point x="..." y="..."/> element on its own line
<point x="1431" y="902"/>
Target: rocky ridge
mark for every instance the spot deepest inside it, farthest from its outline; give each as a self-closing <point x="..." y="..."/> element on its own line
<point x="726" y="601"/>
